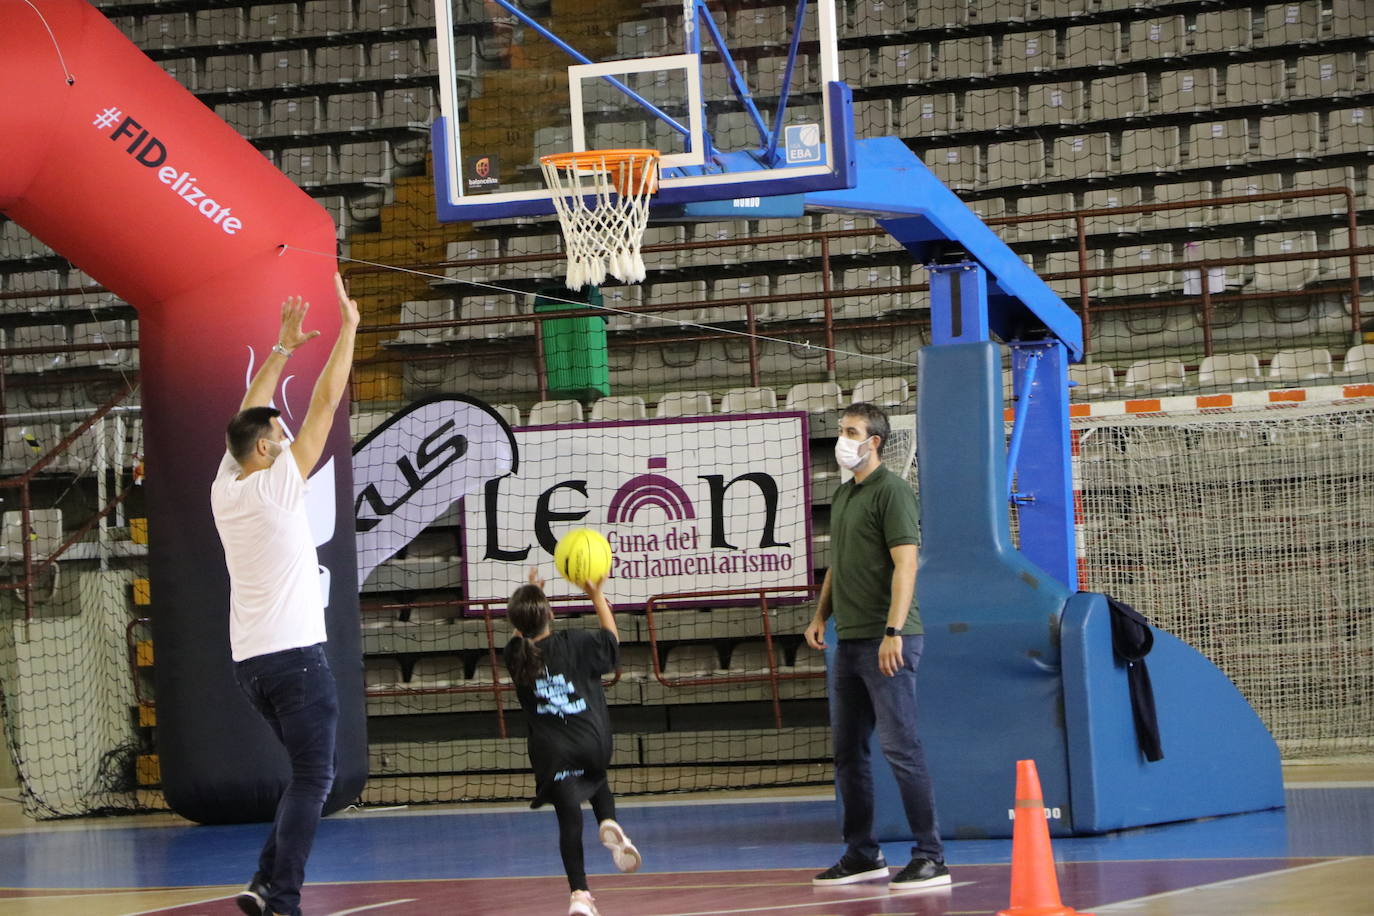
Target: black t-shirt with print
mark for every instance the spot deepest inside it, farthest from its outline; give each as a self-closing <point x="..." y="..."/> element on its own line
<point x="569" y="724"/>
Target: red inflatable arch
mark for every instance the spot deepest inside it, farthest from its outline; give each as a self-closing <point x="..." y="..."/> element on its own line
<point x="114" y="165"/>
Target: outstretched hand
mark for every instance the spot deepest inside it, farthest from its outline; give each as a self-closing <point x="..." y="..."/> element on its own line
<point x="535" y="579"/>
<point x="592" y="589"/>
<point x="348" y="308"/>
<point x="292" y="315"/>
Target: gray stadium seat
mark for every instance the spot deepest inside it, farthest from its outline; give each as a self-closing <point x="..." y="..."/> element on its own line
<point x="1145" y="283"/>
<point x="395" y="59"/>
<point x="683" y="404"/>
<point x="1054" y="103"/>
<point x="1350" y="130"/>
<point x="1290" y="23"/>
<point x="166" y="30"/>
<point x="1154" y="375"/>
<point x="424" y="310"/>
<point x="224" y="73"/>
<point x="956" y="166"/>
<point x="1152" y="39"/>
<point x="1300" y="364"/>
<point x="1217" y="143"/>
<point x="619" y="407"/>
<point x="1082" y="156"/>
<point x="1228" y="369"/>
<point x="293" y="117"/>
<point x="364" y="163"/>
<point x="885" y="391"/>
<point x="990" y="109"/>
<point x="479" y="249"/>
<point x="544" y="413"/>
<point x="874" y="17"/>
<point x="283" y="67"/>
<point x="925" y="115"/>
<point x="749" y="400"/>
<point x="1092" y="380"/>
<point x="1284" y="275"/>
<point x="1253" y="82"/>
<point x="1095" y="45"/>
<point x="1324" y="76"/>
<point x="1359" y="361"/>
<point x="307" y="166"/>
<point x="1222" y="30"/>
<point x="1187" y="90"/>
<point x="814" y="397"/>
<point x="326" y="17"/>
<point x="219" y="25"/>
<point x="493" y="305"/>
<point x="1109" y="199"/>
<point x="1123" y="96"/>
<point x="377" y="15"/>
<point x="954" y="58"/>
<point x="1024" y="52"/>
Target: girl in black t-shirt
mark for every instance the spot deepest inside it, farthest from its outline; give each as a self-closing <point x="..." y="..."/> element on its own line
<point x="558" y="679"/>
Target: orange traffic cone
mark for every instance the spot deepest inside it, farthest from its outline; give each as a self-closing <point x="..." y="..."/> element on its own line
<point x="1034" y="887"/>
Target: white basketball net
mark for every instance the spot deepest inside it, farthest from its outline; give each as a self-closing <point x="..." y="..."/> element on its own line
<point x="602" y="199"/>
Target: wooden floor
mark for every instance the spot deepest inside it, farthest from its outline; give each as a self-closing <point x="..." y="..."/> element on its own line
<point x="713" y="856"/>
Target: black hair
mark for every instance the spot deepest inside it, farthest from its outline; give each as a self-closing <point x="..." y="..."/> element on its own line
<point x="247" y="427"/>
<point x="528" y="611"/>
<point x="875" y="419"/>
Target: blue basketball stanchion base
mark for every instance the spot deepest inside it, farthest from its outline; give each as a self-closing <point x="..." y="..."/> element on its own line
<point x="1017" y="663"/>
<point x="1015" y="667"/>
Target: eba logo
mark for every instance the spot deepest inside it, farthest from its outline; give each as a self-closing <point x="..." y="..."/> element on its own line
<point x="803" y="142"/>
<point x="482" y="167"/>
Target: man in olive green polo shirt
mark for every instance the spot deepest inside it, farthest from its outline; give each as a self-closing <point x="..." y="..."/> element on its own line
<point x="870" y="589"/>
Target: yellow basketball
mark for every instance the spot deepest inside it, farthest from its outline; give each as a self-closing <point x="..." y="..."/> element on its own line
<point x="582" y="556"/>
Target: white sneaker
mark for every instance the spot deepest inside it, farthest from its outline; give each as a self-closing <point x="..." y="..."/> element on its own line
<point x="581" y="903"/>
<point x="623" y="852"/>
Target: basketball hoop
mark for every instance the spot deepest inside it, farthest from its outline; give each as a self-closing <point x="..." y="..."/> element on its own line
<point x="602" y="199"/>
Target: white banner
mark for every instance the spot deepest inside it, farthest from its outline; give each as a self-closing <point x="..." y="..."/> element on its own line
<point x="689" y="504"/>
<point x="411" y="469"/>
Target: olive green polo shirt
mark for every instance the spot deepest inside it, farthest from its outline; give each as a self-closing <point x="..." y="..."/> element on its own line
<point x="866" y="520"/>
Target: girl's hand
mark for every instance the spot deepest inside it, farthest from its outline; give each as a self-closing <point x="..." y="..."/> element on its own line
<point x="592" y="589"/>
<point x="534" y="578"/>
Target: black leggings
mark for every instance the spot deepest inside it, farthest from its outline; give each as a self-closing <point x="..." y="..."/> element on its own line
<point x="570" y="834"/>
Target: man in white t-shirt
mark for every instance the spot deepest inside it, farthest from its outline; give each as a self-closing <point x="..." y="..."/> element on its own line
<point x="276" y="609"/>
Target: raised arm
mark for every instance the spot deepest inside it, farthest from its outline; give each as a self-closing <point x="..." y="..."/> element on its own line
<point x="604" y="615"/>
<point x="259" y="393"/>
<point x="329" y="387"/>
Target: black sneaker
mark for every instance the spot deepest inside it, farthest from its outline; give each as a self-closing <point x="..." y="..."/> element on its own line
<point x="922" y="873"/>
<point x="847" y="871"/>
<point x="252" y="900"/>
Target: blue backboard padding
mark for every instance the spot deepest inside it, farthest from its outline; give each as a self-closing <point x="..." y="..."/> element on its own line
<point x="1218" y="756"/>
<point x="916" y="209"/>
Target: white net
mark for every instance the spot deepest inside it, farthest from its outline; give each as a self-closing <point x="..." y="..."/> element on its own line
<point x="1249" y="536"/>
<point x="602" y="200"/>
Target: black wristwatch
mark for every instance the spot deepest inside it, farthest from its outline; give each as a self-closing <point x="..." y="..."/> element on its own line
<point x="892" y="631"/>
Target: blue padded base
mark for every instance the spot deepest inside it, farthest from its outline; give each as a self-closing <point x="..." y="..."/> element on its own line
<point x="1218" y="756"/>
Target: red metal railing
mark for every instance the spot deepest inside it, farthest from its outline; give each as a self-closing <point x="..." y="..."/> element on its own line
<point x="34" y="567"/>
<point x="1087" y="306"/>
<point x="773" y="677"/>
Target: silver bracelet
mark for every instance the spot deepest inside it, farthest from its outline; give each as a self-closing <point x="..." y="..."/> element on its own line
<point x="278" y="348"/>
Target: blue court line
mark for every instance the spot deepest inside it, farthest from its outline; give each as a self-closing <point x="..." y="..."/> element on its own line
<point x="785" y="833"/>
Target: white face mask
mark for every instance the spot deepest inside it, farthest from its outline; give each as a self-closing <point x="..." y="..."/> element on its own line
<point x="847" y="453"/>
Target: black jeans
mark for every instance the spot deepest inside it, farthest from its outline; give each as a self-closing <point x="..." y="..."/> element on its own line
<point x="862" y="698"/>
<point x="294" y="691"/>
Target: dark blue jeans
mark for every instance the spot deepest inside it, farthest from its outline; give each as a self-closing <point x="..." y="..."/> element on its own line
<point x="862" y="697"/>
<point x="294" y="691"/>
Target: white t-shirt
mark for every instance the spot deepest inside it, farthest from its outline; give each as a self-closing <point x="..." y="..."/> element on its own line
<point x="274" y="578"/>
